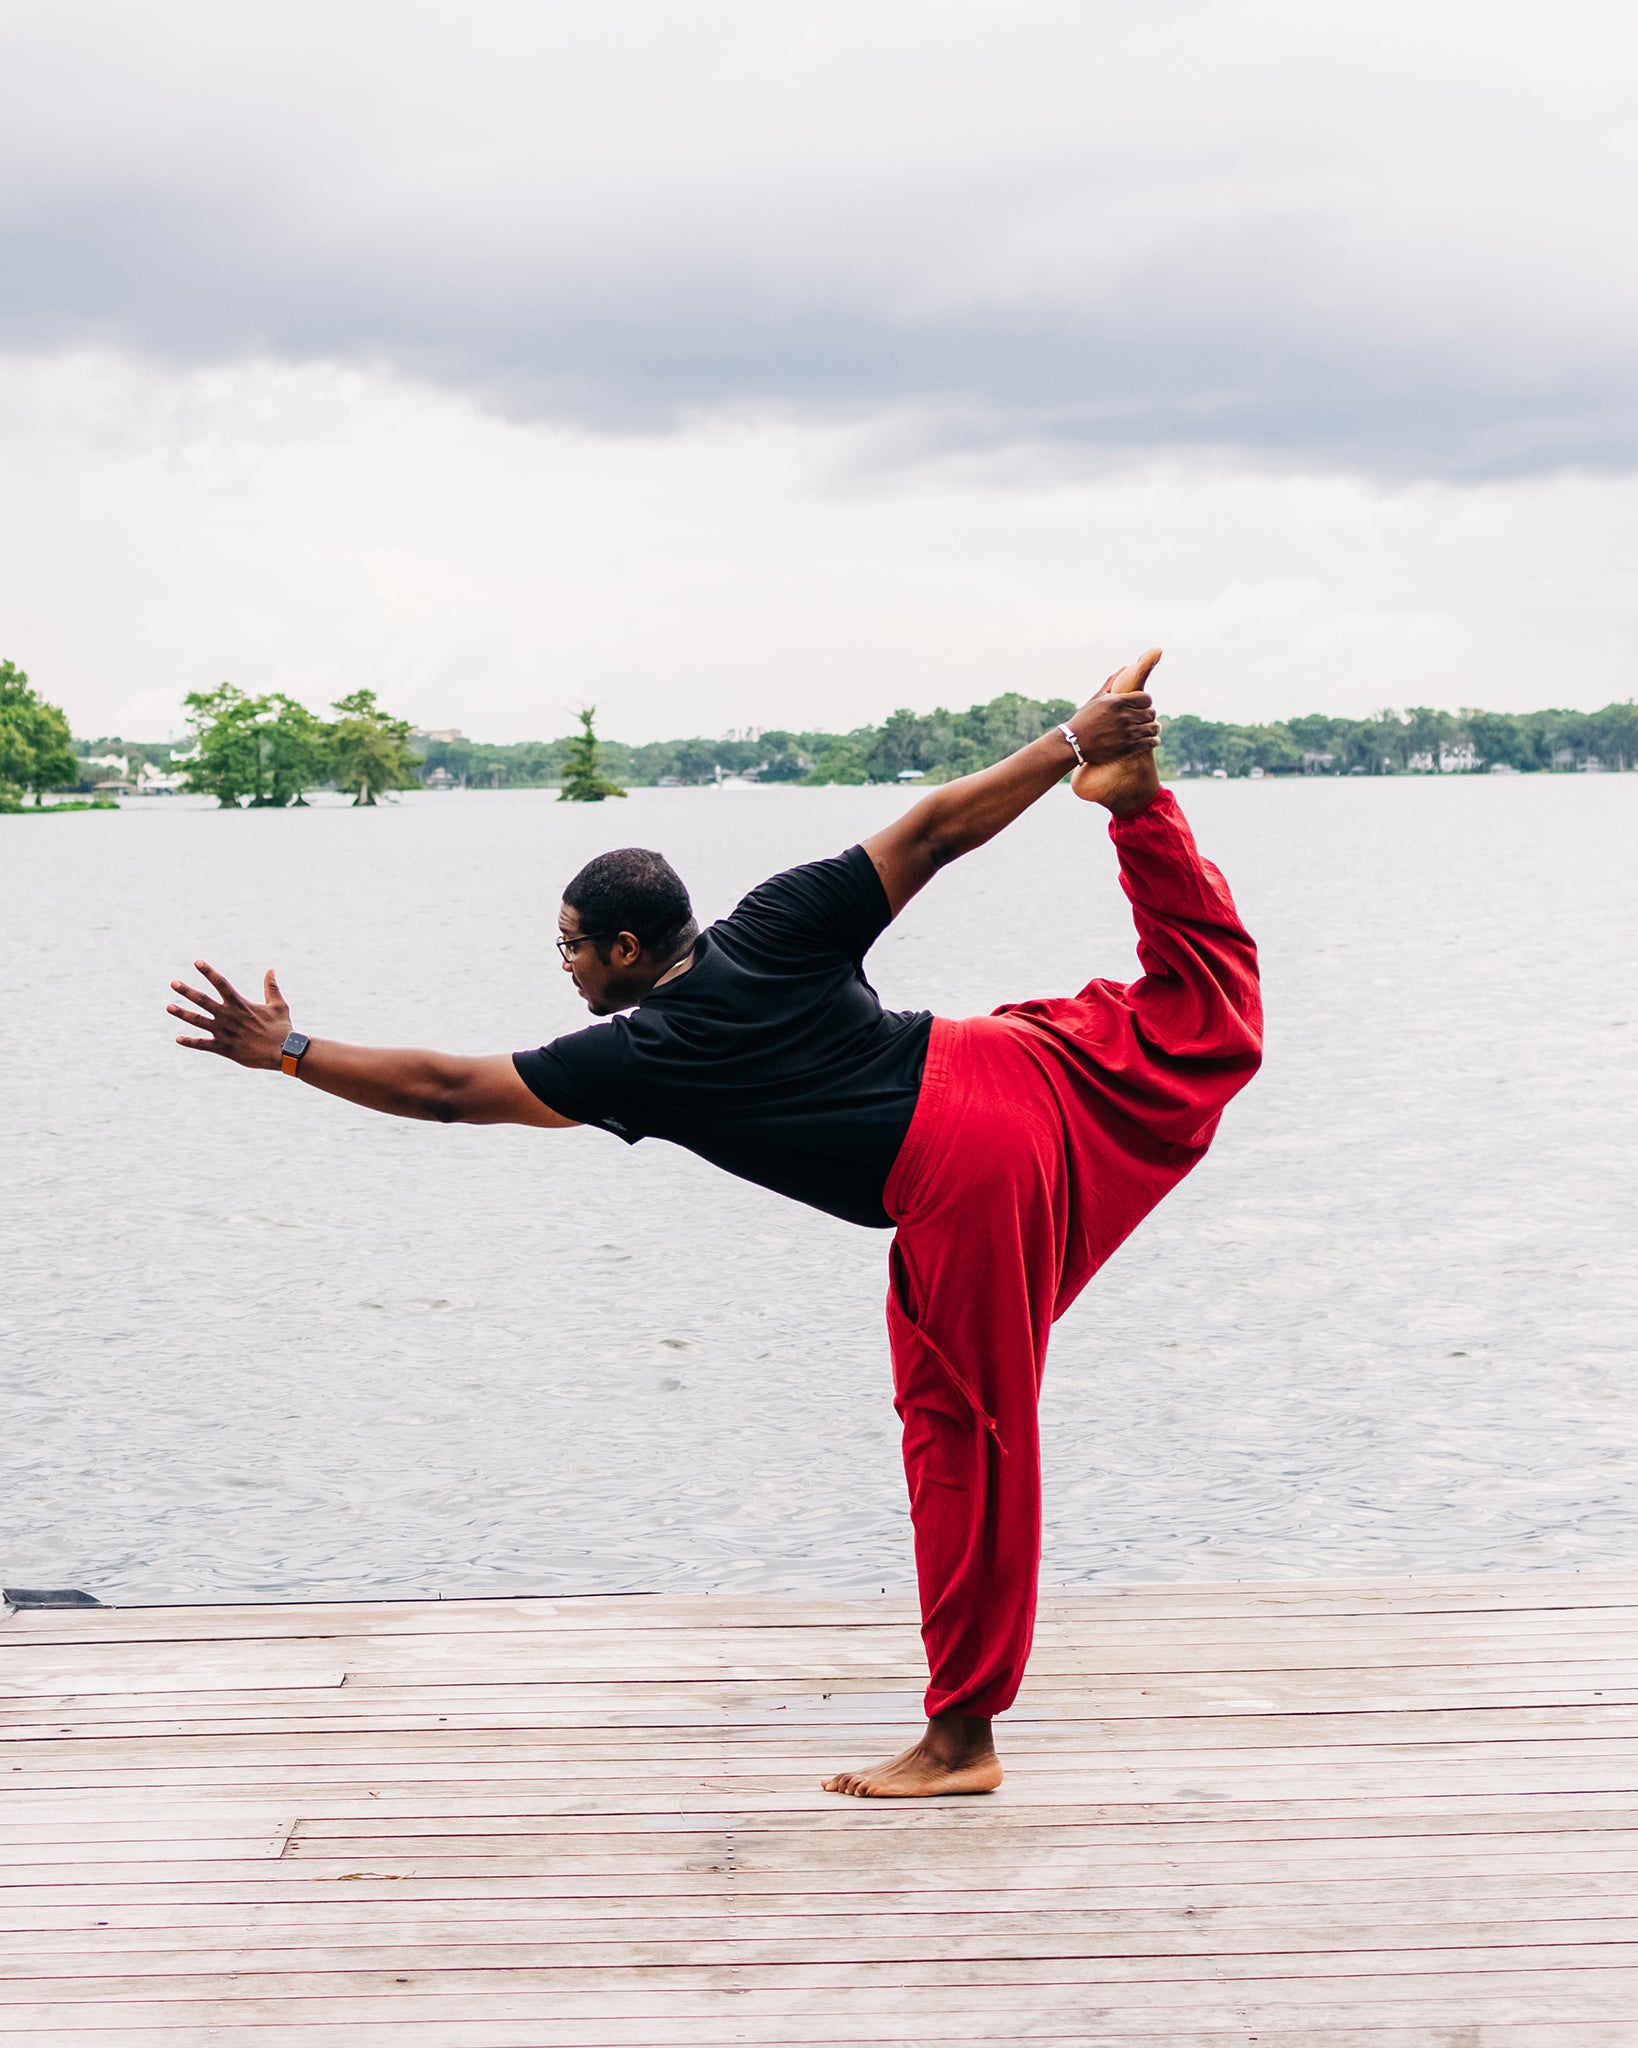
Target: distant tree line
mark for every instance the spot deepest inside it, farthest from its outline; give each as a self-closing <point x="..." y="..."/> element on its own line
<point x="269" y="749"/>
<point x="938" y="745"/>
<point x="935" y="747"/>
<point x="1415" y="742"/>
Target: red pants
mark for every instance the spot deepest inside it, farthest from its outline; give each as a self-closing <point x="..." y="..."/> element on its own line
<point x="1042" y="1137"/>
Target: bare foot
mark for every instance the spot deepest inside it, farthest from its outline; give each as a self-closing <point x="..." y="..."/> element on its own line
<point x="1128" y="782"/>
<point x="957" y="1754"/>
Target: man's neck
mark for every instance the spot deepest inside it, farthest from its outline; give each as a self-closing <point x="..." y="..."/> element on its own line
<point x="679" y="966"/>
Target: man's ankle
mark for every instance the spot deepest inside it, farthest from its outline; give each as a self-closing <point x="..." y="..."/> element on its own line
<point x="958" y="1735"/>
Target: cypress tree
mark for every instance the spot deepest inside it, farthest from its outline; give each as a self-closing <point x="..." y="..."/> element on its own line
<point x="583" y="781"/>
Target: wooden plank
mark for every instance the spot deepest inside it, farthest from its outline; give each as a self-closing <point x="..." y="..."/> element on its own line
<point x="737" y="1654"/>
<point x="1245" y="1819"/>
<point x="816" y="1920"/>
<point x="567" y="1988"/>
<point x="995" y="1822"/>
<point x="1002" y="1830"/>
<point x="198" y="1825"/>
<point x="1499" y="1945"/>
<point x="296" y="1921"/>
<point x="28" y="1858"/>
<point x="1318" y="1731"/>
<point x="874" y="1869"/>
<point x="643" y="1631"/>
<point x="308" y="1913"/>
<point x="588" y="1734"/>
<point x="927" y="1858"/>
<point x="903" y="2031"/>
<point x="632" y="1894"/>
<point x="311" y="1783"/>
<point x="1328" y="2000"/>
<point x="842" y="1698"/>
<point x="1137" y="1821"/>
<point x="655" y="1761"/>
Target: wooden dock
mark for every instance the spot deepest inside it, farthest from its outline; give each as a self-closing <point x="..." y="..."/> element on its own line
<point x="1297" y="1816"/>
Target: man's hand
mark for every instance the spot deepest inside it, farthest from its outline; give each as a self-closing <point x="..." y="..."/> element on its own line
<point x="1127" y="778"/>
<point x="1120" y="719"/>
<point x="248" y="1033"/>
<point x="1118" y="725"/>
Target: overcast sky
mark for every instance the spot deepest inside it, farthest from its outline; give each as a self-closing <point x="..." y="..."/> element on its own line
<point x="781" y="363"/>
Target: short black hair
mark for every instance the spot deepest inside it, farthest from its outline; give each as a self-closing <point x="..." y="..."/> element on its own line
<point x="633" y="890"/>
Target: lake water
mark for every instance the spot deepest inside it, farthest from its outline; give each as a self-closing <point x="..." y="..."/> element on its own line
<point x="260" y="1343"/>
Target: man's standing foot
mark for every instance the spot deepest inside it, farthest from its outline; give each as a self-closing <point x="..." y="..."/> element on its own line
<point x="957" y="1754"/>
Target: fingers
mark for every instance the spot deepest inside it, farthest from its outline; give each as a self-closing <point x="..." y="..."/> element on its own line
<point x="271" y="993"/>
<point x="190" y="1017"/>
<point x="223" y="987"/>
<point x="195" y="995"/>
<point x="200" y="1044"/>
<point x="1129" y="681"/>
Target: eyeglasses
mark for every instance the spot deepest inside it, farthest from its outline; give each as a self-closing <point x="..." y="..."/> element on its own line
<point x="566" y="946"/>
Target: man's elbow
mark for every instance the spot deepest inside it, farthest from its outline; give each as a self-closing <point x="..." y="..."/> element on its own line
<point x="942" y="839"/>
<point x="447" y="1096"/>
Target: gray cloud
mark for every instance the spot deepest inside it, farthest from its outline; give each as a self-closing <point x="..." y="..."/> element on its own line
<point x="1383" y="239"/>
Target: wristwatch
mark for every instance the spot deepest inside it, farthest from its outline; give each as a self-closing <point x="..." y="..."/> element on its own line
<point x="292" y="1049"/>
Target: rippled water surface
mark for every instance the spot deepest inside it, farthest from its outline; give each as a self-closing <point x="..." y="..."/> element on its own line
<point x="258" y="1342"/>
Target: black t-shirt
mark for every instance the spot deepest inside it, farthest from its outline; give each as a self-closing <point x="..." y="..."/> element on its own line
<point x="772" y="1056"/>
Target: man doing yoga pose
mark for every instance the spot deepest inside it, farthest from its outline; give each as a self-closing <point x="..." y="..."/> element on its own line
<point x="1010" y="1154"/>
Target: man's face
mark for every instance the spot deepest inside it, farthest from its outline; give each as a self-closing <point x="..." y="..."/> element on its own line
<point x="604" y="985"/>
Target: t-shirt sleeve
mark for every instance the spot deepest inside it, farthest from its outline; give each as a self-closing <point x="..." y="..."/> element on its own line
<point x="582" y="1076"/>
<point x="835" y="906"/>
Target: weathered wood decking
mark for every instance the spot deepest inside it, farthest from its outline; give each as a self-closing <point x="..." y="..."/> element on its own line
<point x="1363" y="1816"/>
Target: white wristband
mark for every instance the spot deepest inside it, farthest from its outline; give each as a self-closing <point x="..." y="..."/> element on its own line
<point x="1068" y="732"/>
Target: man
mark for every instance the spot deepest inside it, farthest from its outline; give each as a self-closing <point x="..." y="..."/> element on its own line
<point x="1011" y="1154"/>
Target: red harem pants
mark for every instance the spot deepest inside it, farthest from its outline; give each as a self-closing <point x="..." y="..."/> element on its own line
<point x="1042" y="1137"/>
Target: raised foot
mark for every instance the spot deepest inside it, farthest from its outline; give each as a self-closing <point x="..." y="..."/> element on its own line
<point x="1121" y="786"/>
<point x="1131" y="780"/>
<point x="955" y="1755"/>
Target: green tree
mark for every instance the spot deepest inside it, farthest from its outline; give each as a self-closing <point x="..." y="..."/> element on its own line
<point x="36" y="749"/>
<point x="1497" y="740"/>
<point x="1617" y="734"/>
<point x="227" y="762"/>
<point x="907" y="741"/>
<point x="296" y="750"/>
<point x="693" y="761"/>
<point x="583" y="780"/>
<point x="843" y="758"/>
<point x="369" y="751"/>
<point x="783" y="758"/>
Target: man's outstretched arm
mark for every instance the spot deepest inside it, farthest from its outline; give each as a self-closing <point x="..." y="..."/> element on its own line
<point x="440" y="1087"/>
<point x="963" y="815"/>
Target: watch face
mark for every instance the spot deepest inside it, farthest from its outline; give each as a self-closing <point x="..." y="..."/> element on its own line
<point x="295" y="1045"/>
